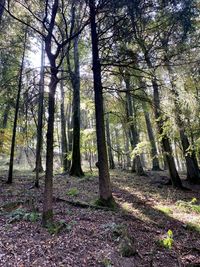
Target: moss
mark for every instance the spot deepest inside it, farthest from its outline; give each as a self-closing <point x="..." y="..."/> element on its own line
<point x="47" y="218"/>
<point x="73" y="192"/>
<point x="165" y="210"/>
<point x="109" y="203"/>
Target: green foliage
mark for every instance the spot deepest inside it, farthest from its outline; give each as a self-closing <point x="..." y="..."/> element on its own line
<point x="139" y="149"/>
<point x="189" y="206"/>
<point x="106" y="262"/>
<point x="165" y="210"/>
<point x="168" y="241"/>
<point x="73" y="192"/>
<point x="57" y="227"/>
<point x="21" y="214"/>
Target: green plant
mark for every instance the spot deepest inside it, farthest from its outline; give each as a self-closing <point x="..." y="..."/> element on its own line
<point x="31" y="216"/>
<point x="165" y="210"/>
<point x="73" y="192"/>
<point x="194" y="200"/>
<point x="21" y="214"/>
<point x="168" y="241"/>
<point x="56" y="227"/>
<point x="106" y="262"/>
<point x="189" y="206"/>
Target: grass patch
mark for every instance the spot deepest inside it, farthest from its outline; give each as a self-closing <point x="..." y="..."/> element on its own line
<point x="73" y="192"/>
<point x="190" y="206"/>
<point x="165" y="210"/>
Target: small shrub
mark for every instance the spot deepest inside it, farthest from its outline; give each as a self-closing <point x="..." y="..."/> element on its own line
<point x="73" y="192"/>
<point x="168" y="241"/>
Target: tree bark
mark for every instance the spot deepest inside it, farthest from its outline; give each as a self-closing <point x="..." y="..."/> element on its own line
<point x="105" y="193"/>
<point x="193" y="174"/>
<point x="76" y="169"/>
<point x="12" y="151"/>
<point x="137" y="164"/>
<point x="38" y="163"/>
<point x="64" y="145"/>
<point x="4" y="125"/>
<point x="110" y="154"/>
<point x="175" y="179"/>
<point x="47" y="215"/>
<point x="154" y="154"/>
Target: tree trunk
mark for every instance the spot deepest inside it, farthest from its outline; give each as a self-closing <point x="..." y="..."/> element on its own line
<point x="4" y="125"/>
<point x="76" y="169"/>
<point x="105" y="193"/>
<point x="47" y="215"/>
<point x="154" y="154"/>
<point x="175" y="179"/>
<point x="193" y="174"/>
<point x="110" y="154"/>
<point x="137" y="165"/>
<point x="64" y="145"/>
<point x="38" y="163"/>
<point x="12" y="151"/>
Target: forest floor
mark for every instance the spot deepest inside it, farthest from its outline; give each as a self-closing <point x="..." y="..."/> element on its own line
<point x="135" y="234"/>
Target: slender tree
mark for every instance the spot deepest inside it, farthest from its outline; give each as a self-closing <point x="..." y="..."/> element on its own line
<point x="20" y="84"/>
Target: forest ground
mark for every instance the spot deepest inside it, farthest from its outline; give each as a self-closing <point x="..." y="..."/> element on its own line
<point x="88" y="236"/>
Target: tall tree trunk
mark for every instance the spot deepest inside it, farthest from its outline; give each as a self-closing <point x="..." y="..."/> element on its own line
<point x="64" y="145"/>
<point x="105" y="193"/>
<point x="76" y="169"/>
<point x="38" y="163"/>
<point x="110" y="154"/>
<point x="193" y="174"/>
<point x="165" y="141"/>
<point x="137" y="164"/>
<point x="175" y="179"/>
<point x="47" y="215"/>
<point x="4" y="125"/>
<point x="20" y="82"/>
<point x="154" y="154"/>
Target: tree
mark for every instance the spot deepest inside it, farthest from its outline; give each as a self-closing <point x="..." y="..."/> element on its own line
<point x="105" y="193"/>
<point x="20" y="83"/>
